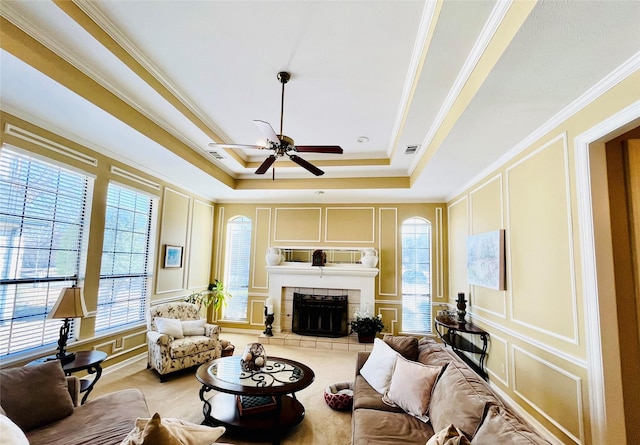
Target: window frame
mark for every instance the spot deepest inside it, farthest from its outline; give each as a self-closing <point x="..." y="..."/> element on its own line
<point x="49" y="328"/>
<point x="428" y="278"/>
<point x="149" y="261"/>
<point x="229" y="261"/>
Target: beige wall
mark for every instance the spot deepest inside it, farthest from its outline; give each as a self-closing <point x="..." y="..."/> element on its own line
<point x="538" y="352"/>
<point x="182" y="219"/>
<point x="334" y="226"/>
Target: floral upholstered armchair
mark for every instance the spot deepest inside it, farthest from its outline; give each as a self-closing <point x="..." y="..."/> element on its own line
<point x="178" y="338"/>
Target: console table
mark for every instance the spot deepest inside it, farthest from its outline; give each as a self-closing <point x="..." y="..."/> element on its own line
<point x="448" y="330"/>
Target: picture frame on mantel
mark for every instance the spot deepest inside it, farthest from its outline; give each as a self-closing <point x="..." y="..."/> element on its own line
<point x="486" y="260"/>
<point x="172" y="257"/>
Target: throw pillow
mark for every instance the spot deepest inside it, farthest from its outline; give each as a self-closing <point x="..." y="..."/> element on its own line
<point x="11" y="433"/>
<point x="170" y="326"/>
<point x="30" y="408"/>
<point x="153" y="432"/>
<point x="405" y="346"/>
<point x="378" y="368"/>
<point x="411" y="386"/>
<point x="449" y="436"/>
<point x="187" y="432"/>
<point x="501" y="426"/>
<point x="193" y="327"/>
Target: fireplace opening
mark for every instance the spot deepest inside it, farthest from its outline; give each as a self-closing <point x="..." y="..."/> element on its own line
<point x="320" y="315"/>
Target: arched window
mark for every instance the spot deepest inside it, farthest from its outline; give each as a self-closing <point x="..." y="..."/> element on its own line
<point x="236" y="275"/>
<point x="416" y="276"/>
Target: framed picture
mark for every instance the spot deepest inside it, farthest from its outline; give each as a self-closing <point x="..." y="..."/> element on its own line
<point x="172" y="256"/>
<point x="485" y="260"/>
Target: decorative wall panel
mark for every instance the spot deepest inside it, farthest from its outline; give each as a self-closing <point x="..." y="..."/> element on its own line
<point x="542" y="285"/>
<point x="350" y="224"/>
<point x="297" y="224"/>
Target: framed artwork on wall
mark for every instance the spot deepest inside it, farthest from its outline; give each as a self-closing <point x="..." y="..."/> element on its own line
<point x="172" y="256"/>
<point x="485" y="260"/>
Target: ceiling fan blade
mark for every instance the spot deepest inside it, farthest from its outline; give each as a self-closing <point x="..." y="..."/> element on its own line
<point x="302" y="163"/>
<point x="319" y="149"/>
<point x="267" y="130"/>
<point x="214" y="145"/>
<point x="265" y="165"/>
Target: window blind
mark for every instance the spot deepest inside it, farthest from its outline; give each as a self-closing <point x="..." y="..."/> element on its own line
<point x="416" y="276"/>
<point x="43" y="213"/>
<point x="237" y="268"/>
<point x="124" y="271"/>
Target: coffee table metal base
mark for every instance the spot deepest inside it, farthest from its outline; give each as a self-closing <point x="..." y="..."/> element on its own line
<point x="221" y="409"/>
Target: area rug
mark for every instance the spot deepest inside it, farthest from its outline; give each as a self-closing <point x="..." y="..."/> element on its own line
<point x="178" y="397"/>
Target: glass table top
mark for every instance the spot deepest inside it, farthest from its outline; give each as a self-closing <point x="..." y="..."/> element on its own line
<point x="274" y="373"/>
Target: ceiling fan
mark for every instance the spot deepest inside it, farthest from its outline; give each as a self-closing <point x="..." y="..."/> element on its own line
<point x="282" y="144"/>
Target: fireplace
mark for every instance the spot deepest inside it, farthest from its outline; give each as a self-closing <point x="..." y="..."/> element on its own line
<point x="320" y="315"/>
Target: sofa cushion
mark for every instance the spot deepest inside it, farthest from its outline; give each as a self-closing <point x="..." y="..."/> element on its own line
<point x="405" y="346"/>
<point x="191" y="345"/>
<point x="364" y="396"/>
<point x="36" y="395"/>
<point x="431" y="353"/>
<point x="374" y="427"/>
<point x="500" y="426"/>
<point x="378" y="368"/>
<point x="193" y="327"/>
<point x="410" y="388"/>
<point x="459" y="398"/>
<point x="169" y="326"/>
<point x="449" y="436"/>
<point x="105" y="420"/>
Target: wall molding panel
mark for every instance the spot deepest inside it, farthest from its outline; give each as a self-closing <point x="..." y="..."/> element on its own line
<point x="572" y="387"/>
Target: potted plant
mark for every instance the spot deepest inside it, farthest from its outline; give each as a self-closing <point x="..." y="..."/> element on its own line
<point x="366" y="326"/>
<point x="215" y="295"/>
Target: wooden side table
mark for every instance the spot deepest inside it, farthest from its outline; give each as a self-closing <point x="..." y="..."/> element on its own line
<point x="90" y="361"/>
<point x="448" y="330"/>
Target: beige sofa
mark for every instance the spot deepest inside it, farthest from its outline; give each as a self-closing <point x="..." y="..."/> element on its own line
<point x="458" y="397"/>
<point x="44" y="404"/>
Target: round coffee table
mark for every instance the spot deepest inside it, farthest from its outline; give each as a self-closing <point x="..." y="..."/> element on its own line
<point x="280" y="379"/>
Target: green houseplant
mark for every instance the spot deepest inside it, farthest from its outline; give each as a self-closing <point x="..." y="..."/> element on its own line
<point x="215" y="295"/>
<point x="366" y="326"/>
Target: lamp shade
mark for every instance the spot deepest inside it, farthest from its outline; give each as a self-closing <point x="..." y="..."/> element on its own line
<point x="70" y="304"/>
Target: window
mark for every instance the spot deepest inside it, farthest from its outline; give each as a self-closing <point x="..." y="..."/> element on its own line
<point x="124" y="271"/>
<point x="236" y="274"/>
<point x="43" y="211"/>
<point x="416" y="276"/>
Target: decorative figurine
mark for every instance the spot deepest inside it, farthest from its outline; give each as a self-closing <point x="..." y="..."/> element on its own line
<point x="462" y="307"/>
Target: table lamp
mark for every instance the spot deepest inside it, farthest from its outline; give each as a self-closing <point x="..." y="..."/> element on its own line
<point x="70" y="304"/>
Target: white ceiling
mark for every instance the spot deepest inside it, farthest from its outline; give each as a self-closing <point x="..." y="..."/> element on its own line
<point x="448" y="76"/>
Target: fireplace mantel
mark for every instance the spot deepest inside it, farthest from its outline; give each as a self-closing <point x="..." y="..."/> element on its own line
<point x="330" y="276"/>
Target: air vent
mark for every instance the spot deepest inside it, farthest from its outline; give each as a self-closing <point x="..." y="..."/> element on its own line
<point x="411" y="149"/>
<point x="216" y="155"/>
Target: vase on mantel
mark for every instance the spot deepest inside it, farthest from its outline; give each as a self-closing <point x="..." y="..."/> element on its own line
<point x="273" y="256"/>
<point x="369" y="257"/>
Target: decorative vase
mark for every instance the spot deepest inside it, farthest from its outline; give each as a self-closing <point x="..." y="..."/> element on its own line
<point x="366" y="338"/>
<point x="273" y="256"/>
<point x="462" y="307"/>
<point x="253" y="358"/>
<point x="369" y="257"/>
